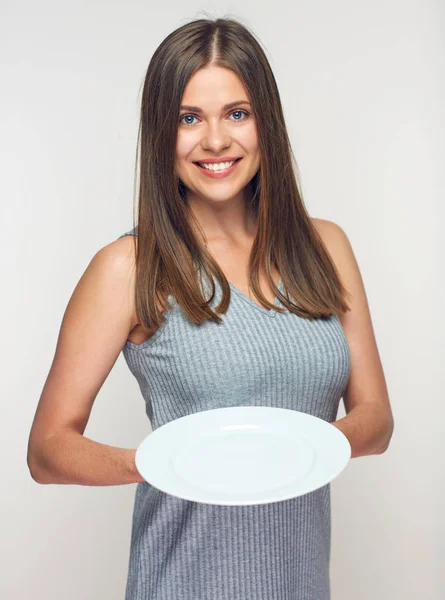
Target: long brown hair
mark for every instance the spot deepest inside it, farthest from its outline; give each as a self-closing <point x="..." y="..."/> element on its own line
<point x="168" y="254"/>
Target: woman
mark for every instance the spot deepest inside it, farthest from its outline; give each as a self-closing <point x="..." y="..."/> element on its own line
<point x="226" y="293"/>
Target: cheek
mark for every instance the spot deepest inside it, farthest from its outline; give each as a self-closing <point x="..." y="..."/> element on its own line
<point x="181" y="148"/>
<point x="185" y="142"/>
<point x="249" y="139"/>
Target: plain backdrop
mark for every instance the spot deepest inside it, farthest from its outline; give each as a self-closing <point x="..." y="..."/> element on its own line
<point x="362" y="87"/>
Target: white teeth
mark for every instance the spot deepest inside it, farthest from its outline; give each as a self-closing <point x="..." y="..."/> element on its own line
<point x="217" y="166"/>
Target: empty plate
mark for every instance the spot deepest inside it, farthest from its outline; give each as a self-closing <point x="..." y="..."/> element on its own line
<point x="243" y="455"/>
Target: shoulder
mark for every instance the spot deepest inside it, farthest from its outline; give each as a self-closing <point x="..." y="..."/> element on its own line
<point x="114" y="264"/>
<point x="343" y="258"/>
<point x="340" y="250"/>
<point x="329" y="231"/>
<point x="119" y="255"/>
<point x="337" y="244"/>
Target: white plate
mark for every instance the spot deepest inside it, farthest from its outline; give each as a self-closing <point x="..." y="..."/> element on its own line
<point x="243" y="455"/>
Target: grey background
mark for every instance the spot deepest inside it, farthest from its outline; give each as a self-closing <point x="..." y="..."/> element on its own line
<point x="361" y="84"/>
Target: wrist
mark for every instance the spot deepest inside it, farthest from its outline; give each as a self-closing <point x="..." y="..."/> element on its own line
<point x="136" y="477"/>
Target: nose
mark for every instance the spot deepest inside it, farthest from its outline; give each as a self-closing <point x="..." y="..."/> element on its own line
<point x="215" y="137"/>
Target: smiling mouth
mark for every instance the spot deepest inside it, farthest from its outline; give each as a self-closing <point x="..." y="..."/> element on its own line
<point x="210" y="167"/>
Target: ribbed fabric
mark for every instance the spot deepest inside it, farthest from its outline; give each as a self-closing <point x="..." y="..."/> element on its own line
<point x="184" y="550"/>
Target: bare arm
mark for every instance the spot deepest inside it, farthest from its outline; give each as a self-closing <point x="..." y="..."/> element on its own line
<point x="96" y="324"/>
<point x="369" y="421"/>
<point x="366" y="427"/>
<point x="72" y="458"/>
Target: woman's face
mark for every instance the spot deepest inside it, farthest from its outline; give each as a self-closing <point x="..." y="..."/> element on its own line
<point x="216" y="131"/>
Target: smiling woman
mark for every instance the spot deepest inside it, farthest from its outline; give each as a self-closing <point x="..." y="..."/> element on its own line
<point x="218" y="182"/>
<point x="202" y="143"/>
<point x="219" y="199"/>
<point x="225" y="293"/>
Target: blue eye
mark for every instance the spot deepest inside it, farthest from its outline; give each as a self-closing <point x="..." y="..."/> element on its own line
<point x="187" y="116"/>
<point x="240" y="112"/>
<point x="194" y="117"/>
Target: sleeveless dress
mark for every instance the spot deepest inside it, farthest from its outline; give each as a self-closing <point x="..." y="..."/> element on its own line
<point x="185" y="550"/>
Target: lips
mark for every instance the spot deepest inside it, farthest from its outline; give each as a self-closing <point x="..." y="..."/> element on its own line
<point x="210" y="161"/>
<point x="218" y="173"/>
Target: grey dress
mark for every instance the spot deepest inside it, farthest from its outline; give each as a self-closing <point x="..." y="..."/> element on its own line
<point x="184" y="550"/>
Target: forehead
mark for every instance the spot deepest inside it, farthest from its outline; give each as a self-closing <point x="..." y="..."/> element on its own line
<point x="213" y="86"/>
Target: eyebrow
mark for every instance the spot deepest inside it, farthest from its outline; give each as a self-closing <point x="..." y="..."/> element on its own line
<point x="225" y="107"/>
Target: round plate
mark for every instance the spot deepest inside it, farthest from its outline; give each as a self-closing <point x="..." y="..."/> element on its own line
<point x="243" y="455"/>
